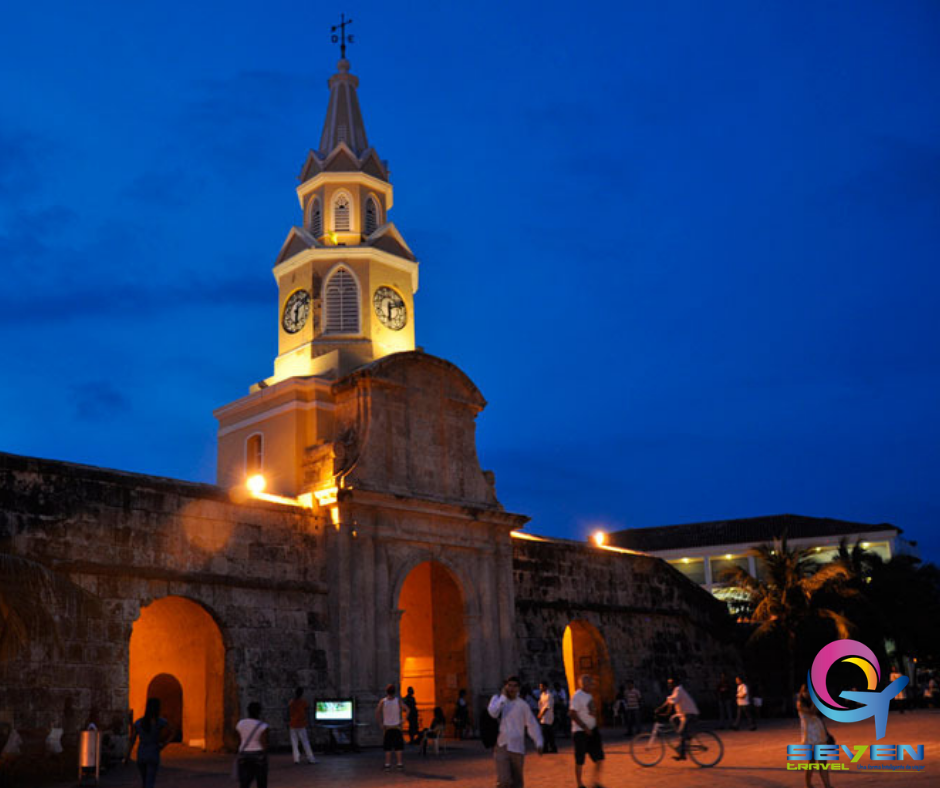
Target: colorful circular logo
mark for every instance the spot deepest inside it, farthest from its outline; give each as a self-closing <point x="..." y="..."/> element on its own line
<point x="850" y="651"/>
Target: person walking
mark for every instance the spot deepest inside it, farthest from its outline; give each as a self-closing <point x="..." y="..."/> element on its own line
<point x="584" y="730"/>
<point x="515" y="720"/>
<point x="411" y="706"/>
<point x="725" y="701"/>
<point x="253" y="749"/>
<point x="154" y="733"/>
<point x="546" y="717"/>
<point x="813" y="731"/>
<point x="684" y="707"/>
<point x="744" y="705"/>
<point x="297" y="710"/>
<point x="389" y="714"/>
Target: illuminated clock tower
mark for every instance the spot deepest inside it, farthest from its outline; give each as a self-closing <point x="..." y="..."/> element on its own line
<point x="346" y="283"/>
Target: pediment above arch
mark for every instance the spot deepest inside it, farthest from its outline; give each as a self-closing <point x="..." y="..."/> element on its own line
<point x="417" y="435"/>
<point x="388" y="239"/>
<point x="298" y="240"/>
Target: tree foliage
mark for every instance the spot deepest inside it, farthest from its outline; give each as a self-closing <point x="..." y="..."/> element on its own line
<point x="34" y="600"/>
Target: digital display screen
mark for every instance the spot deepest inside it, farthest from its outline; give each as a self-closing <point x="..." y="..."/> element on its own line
<point x="334" y="711"/>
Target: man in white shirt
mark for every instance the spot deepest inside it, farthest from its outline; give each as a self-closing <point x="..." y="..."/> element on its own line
<point x="584" y="730"/>
<point x="744" y="705"/>
<point x="685" y="709"/>
<point x="515" y="718"/>
<point x="547" y="717"/>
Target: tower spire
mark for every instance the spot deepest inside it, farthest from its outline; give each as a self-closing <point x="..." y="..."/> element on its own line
<point x="343" y="117"/>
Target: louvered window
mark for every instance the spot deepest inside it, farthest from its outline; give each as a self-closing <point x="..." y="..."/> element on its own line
<point x="254" y="455"/>
<point x="372" y="215"/>
<point x="341" y="213"/>
<point x="316" y="218"/>
<point x="342" y="303"/>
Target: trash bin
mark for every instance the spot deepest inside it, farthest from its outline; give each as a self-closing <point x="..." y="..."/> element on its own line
<point x="89" y="757"/>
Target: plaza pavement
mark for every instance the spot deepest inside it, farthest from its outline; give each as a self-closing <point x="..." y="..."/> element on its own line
<point x="751" y="759"/>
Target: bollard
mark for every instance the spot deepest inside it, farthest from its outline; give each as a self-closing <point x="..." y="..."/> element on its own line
<point x="89" y="757"/>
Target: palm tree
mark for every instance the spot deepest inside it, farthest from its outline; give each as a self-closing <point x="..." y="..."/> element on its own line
<point x="30" y="596"/>
<point x="786" y="604"/>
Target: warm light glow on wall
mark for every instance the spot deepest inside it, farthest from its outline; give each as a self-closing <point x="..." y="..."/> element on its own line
<point x="256" y="483"/>
<point x="528" y="537"/>
<point x="600" y="538"/>
<point x="326" y="496"/>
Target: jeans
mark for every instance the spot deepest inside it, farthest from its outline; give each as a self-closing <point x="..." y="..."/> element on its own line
<point x="725" y="712"/>
<point x="633" y="721"/>
<point x="745" y="711"/>
<point x="509" y="767"/>
<point x="252" y="768"/>
<point x="148" y="772"/>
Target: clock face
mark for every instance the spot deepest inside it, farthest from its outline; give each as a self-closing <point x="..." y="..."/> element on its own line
<point x="296" y="311"/>
<point x="390" y="308"/>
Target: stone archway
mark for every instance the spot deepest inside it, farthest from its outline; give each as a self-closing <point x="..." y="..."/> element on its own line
<point x="167" y="688"/>
<point x="433" y="638"/>
<point x="178" y="637"/>
<point x="585" y="651"/>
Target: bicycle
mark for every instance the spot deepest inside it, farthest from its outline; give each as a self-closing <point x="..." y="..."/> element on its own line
<point x="703" y="747"/>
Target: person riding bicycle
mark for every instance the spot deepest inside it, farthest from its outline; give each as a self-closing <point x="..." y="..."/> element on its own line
<point x="680" y="704"/>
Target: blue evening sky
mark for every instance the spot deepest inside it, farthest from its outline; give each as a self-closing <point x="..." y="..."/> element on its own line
<point x="688" y="251"/>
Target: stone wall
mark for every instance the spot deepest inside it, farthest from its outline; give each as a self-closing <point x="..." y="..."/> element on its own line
<point x="129" y="540"/>
<point x="655" y="623"/>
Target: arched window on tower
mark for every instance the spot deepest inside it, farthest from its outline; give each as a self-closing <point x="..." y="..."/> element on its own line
<point x="372" y="215"/>
<point x="316" y="217"/>
<point x="254" y="454"/>
<point x="341" y="213"/>
<point x="342" y="303"/>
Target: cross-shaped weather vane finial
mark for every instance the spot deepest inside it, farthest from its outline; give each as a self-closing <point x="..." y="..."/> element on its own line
<point x="342" y="39"/>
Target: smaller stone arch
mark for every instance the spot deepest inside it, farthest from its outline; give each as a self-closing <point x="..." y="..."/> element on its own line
<point x="167" y="688"/>
<point x="585" y="651"/>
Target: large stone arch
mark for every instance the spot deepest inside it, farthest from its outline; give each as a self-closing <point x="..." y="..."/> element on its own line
<point x="179" y="637"/>
<point x="434" y="634"/>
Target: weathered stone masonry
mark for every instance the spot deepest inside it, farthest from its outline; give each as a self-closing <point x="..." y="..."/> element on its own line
<point x="656" y="623"/>
<point x="130" y="539"/>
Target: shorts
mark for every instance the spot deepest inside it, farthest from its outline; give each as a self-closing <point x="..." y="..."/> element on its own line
<point x="393" y="740"/>
<point x="587" y="743"/>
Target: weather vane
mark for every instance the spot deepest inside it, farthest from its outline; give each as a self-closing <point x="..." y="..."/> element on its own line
<point x="342" y="39"/>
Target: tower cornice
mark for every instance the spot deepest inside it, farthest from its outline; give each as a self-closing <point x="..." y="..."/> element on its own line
<point x="340" y="253"/>
<point x="342" y="178"/>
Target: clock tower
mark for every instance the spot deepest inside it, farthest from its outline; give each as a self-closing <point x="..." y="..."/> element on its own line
<point x="346" y="282"/>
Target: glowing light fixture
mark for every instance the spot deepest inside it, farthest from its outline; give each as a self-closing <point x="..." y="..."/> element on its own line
<point x="728" y="556"/>
<point x="256" y="483"/>
<point x="866" y="545"/>
<point x="600" y="538"/>
<point x="685" y="560"/>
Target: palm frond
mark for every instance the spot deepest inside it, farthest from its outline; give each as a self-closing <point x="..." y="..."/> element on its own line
<point x="31" y="598"/>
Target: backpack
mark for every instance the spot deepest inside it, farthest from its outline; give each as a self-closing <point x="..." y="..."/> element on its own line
<point x="489" y="730"/>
